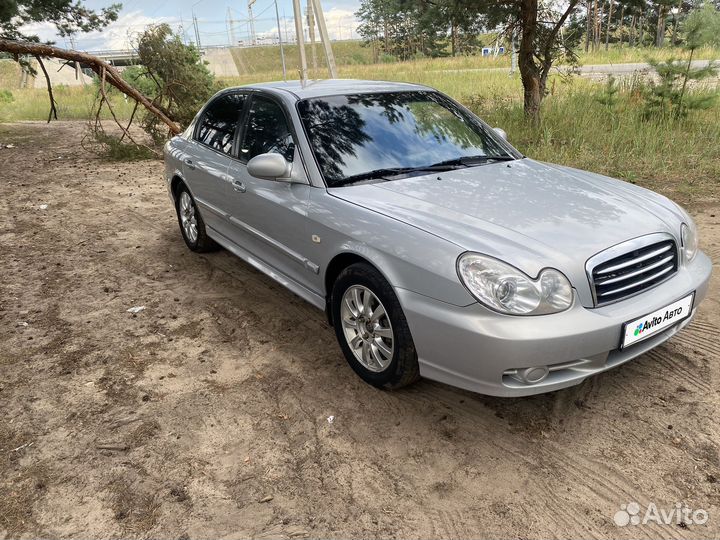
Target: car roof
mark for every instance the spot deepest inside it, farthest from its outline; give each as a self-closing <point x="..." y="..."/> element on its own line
<point x="331" y="87"/>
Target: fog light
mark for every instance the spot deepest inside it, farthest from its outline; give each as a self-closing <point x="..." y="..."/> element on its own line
<point x="533" y="375"/>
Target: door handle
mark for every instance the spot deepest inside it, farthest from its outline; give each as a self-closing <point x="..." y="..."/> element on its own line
<point x="189" y="163"/>
<point x="239" y="186"/>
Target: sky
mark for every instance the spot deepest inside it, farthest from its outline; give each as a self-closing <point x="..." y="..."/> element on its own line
<point x="213" y="21"/>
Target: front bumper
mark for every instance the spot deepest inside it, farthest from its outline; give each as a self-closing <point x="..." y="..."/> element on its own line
<point x="473" y="348"/>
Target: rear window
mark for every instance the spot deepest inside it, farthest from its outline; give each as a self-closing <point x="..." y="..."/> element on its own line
<point x="218" y="123"/>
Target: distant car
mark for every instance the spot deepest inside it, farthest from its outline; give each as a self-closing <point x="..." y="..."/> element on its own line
<point x="435" y="247"/>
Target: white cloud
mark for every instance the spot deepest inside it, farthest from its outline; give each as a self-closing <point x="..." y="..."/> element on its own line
<point x="45" y="30"/>
<point x="120" y="34"/>
<point x="341" y="24"/>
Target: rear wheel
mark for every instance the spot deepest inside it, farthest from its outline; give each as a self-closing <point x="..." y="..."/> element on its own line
<point x="191" y="223"/>
<point x="371" y="328"/>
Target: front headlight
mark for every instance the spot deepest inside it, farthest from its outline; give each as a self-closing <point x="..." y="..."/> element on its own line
<point x="689" y="237"/>
<point x="506" y="289"/>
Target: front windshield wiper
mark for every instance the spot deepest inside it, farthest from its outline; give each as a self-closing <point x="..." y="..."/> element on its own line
<point x="380" y="174"/>
<point x="469" y="161"/>
<point x="447" y="165"/>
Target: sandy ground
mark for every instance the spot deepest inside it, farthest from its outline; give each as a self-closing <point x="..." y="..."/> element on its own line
<point x="206" y="414"/>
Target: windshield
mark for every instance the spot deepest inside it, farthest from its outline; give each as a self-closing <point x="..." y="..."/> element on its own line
<point x="373" y="136"/>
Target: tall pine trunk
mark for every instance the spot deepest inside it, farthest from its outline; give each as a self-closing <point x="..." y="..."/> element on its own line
<point x="588" y="20"/>
<point x="594" y="24"/>
<point x="533" y="89"/>
<point x="598" y="31"/>
<point x="453" y="38"/>
<point x="607" y="28"/>
<point x="660" y="33"/>
<point x="674" y="32"/>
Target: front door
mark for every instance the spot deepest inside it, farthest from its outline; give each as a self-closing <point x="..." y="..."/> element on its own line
<point x="272" y="212"/>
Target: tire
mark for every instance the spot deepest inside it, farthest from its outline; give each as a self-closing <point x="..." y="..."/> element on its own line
<point x="359" y="324"/>
<point x="192" y="226"/>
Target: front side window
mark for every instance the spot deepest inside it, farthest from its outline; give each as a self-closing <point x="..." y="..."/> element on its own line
<point x="371" y="136"/>
<point x="266" y="131"/>
<point x="218" y="124"/>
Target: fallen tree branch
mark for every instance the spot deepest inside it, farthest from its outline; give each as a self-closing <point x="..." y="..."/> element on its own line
<point x="53" y="104"/>
<point x="125" y="130"/>
<point x="112" y="112"/>
<point x="132" y="117"/>
<point x="39" y="50"/>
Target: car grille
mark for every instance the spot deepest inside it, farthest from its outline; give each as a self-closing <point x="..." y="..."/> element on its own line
<point x="634" y="272"/>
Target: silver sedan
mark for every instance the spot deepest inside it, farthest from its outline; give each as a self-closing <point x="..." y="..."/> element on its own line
<point x="434" y="246"/>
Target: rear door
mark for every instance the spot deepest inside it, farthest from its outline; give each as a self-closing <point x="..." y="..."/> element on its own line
<point x="272" y="212"/>
<point x="208" y="156"/>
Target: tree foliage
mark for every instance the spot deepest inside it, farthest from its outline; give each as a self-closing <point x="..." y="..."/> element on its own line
<point x="408" y="28"/>
<point x="702" y="27"/>
<point x="669" y="95"/>
<point x="173" y="75"/>
<point x="68" y="16"/>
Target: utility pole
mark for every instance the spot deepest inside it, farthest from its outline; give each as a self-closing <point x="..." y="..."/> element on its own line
<point x="280" y="41"/>
<point x="300" y="40"/>
<point x="287" y="39"/>
<point x="332" y="69"/>
<point x="311" y="28"/>
<point x="77" y="64"/>
<point x="227" y="26"/>
<point x="197" y="31"/>
<point x="230" y="28"/>
<point x="251" y="22"/>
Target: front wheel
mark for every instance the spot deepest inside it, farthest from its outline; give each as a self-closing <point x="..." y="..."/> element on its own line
<point x="371" y="328"/>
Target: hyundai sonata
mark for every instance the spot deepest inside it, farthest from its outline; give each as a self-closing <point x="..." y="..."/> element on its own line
<point x="434" y="246"/>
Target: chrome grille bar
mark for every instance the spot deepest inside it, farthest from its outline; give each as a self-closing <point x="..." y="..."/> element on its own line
<point x="637" y="283"/>
<point x="632" y="267"/>
<point x="635" y="261"/>
<point x="623" y="277"/>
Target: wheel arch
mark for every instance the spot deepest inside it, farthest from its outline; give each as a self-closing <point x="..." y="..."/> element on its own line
<point x="175" y="184"/>
<point x="336" y="265"/>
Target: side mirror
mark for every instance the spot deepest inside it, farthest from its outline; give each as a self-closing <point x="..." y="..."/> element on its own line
<point x="501" y="132"/>
<point x="269" y="166"/>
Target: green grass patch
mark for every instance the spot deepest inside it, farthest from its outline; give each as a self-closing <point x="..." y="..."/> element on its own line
<point x="9" y="74"/>
<point x="73" y="103"/>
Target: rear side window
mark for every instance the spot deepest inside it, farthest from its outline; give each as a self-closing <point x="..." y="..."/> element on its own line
<point x="267" y="131"/>
<point x="217" y="127"/>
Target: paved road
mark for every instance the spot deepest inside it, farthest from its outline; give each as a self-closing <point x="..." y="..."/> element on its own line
<point x="605" y="69"/>
<point x="619" y="69"/>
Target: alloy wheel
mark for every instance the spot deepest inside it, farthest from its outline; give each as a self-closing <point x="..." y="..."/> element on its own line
<point x="188" y="219"/>
<point x="367" y="328"/>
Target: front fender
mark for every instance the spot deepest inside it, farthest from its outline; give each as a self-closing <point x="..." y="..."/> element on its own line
<point x="409" y="258"/>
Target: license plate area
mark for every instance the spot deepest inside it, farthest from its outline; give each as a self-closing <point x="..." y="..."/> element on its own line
<point x="652" y="323"/>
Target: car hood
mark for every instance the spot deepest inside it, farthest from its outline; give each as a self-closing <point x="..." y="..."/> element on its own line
<point x="527" y="213"/>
